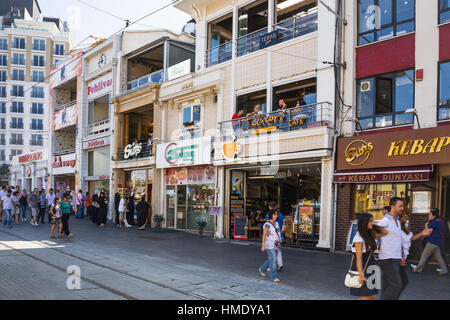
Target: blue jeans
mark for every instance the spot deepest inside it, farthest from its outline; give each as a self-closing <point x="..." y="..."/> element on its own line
<point x="271" y="263"/>
<point x="7" y="212"/>
<point x="24" y="208"/>
<point x="80" y="212"/>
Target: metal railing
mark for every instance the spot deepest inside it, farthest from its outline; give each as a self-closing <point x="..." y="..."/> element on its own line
<point x="219" y="54"/>
<point x="250" y="42"/>
<point x="65" y="105"/>
<point x="296" y="26"/>
<point x="63" y="152"/>
<point x="146" y="151"/>
<point x="97" y="127"/>
<point x="293" y="119"/>
<point x="155" y="77"/>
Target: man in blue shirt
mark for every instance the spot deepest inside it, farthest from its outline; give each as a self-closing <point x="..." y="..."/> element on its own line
<point x="273" y="206"/>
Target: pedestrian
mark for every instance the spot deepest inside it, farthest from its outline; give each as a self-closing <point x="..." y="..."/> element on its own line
<point x="33" y="202"/>
<point x="280" y="220"/>
<point x="16" y="207"/>
<point x="116" y="208"/>
<point x="363" y="248"/>
<point x="142" y="213"/>
<point x="441" y="220"/>
<point x="79" y="204"/>
<point x="94" y="207"/>
<point x="391" y="253"/>
<point x="271" y="243"/>
<point x="23" y="201"/>
<point x="88" y="200"/>
<point x="50" y="199"/>
<point x="65" y="214"/>
<point x="55" y="213"/>
<point x="130" y="212"/>
<point x="123" y="207"/>
<point x="103" y="210"/>
<point x="7" y="205"/>
<point x="42" y="206"/>
<point x="433" y="244"/>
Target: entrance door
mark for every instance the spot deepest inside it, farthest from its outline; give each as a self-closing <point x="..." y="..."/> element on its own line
<point x="181" y="207"/>
<point x="28" y="185"/>
<point x="445" y="212"/>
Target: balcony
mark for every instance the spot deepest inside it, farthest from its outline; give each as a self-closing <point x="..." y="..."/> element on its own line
<point x="63" y="152"/>
<point x="139" y="151"/>
<point x="219" y="54"/>
<point x="37" y="143"/>
<point x="142" y="82"/>
<point x="97" y="128"/>
<point x="250" y="42"/>
<point x="66" y="105"/>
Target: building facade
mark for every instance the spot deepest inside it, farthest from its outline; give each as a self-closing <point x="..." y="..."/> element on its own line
<point x="396" y="140"/>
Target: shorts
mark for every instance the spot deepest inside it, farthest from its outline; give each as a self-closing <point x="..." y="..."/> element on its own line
<point x="56" y="221"/>
<point x="121" y="215"/>
<point x="34" y="212"/>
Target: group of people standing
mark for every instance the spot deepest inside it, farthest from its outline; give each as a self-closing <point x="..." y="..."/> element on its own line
<point x="95" y="207"/>
<point x="16" y="203"/>
<point x="391" y="237"/>
<point x="131" y="212"/>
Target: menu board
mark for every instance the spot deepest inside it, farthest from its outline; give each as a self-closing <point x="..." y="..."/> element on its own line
<point x="306" y="221"/>
<point x="199" y="175"/>
<point x="240" y="228"/>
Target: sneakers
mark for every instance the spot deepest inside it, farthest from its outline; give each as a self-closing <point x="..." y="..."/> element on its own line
<point x="276" y="280"/>
<point x="10" y="226"/>
<point x="439" y="270"/>
<point x="32" y="223"/>
<point x="413" y="266"/>
<point x="262" y="273"/>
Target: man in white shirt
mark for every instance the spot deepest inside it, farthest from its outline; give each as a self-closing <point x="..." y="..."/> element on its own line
<point x="50" y="199"/>
<point x="7" y="208"/>
<point x="2" y="194"/>
<point x="391" y="253"/>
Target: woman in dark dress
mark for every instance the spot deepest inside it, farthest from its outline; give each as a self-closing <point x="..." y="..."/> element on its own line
<point x="130" y="212"/>
<point x="103" y="210"/>
<point x="142" y="212"/>
<point x="93" y="209"/>
<point x="116" y="207"/>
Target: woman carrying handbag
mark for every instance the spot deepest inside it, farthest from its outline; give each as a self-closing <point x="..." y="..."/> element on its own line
<point x="364" y="245"/>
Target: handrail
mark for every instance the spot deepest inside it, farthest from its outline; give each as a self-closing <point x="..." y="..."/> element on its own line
<point x="65" y="105"/>
<point x="144" y="81"/>
<point x="97" y="127"/>
<point x="63" y="152"/>
<point x="219" y="54"/>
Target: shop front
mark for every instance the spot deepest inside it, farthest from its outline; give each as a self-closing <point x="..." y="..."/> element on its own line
<point x="98" y="175"/>
<point x="64" y="172"/>
<point x="189" y="184"/>
<point x="30" y="170"/>
<point x="372" y="169"/>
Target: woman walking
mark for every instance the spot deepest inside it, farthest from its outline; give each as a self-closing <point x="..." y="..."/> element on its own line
<point x="364" y="245"/>
<point x="271" y="243"/>
<point x="93" y="209"/>
<point x="55" y="212"/>
<point x="103" y="210"/>
<point x="24" y="204"/>
<point x="66" y="207"/>
<point x="123" y="207"/>
<point x="87" y="202"/>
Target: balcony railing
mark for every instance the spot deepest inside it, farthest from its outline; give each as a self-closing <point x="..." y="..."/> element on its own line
<point x="219" y="54"/>
<point x="65" y="105"/>
<point x="250" y="42"/>
<point x="63" y="152"/>
<point x="296" y="26"/>
<point x="293" y="119"/>
<point x="97" y="127"/>
<point x="142" y="82"/>
<point x="138" y="151"/>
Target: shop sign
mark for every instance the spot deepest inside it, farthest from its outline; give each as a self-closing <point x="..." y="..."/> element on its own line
<point x="64" y="164"/>
<point x="381" y="177"/>
<point x="179" y="70"/>
<point x="268" y="123"/>
<point x="67" y="70"/>
<point x="268" y="39"/>
<point x="96" y="143"/>
<point x="59" y="163"/>
<point x="385" y="150"/>
<point x="28" y="172"/>
<point x="230" y="150"/>
<point x="132" y="150"/>
<point x="100" y="86"/>
<point x="65" y="117"/>
<point x="97" y="178"/>
<point x="29" y="157"/>
<point x="182" y="153"/>
<point x="306" y="220"/>
<point x="199" y="175"/>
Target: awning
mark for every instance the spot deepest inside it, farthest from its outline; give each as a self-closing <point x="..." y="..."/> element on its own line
<point x="404" y="174"/>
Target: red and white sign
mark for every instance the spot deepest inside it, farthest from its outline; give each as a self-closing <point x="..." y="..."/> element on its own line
<point x="64" y="164"/>
<point x="30" y="157"/>
<point x="100" y="86"/>
<point x="96" y="143"/>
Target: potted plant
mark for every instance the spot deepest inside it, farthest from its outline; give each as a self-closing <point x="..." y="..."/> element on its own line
<point x="158" y="218"/>
<point x="201" y="224"/>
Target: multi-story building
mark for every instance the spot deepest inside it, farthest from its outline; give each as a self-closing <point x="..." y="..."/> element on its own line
<point x="253" y="55"/>
<point x="396" y="140"/>
<point x="29" y="46"/>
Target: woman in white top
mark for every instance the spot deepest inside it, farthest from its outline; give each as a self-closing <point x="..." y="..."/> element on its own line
<point x="271" y="243"/>
<point x="55" y="212"/>
<point x="364" y="245"/>
<point x="122" y="212"/>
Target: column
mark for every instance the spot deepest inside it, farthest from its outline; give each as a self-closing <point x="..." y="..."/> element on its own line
<point x="326" y="207"/>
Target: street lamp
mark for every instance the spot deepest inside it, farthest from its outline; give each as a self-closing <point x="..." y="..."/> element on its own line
<point x="413" y="111"/>
<point x="356" y="122"/>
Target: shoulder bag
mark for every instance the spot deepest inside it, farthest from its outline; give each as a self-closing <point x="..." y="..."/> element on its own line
<point x="352" y="277"/>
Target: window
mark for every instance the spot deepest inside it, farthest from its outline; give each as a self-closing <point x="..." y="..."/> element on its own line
<point x="98" y="161"/>
<point x="2" y="92"/>
<point x="219" y="40"/>
<point x="191" y="121"/>
<point x="17" y="107"/>
<point x="18" y="59"/>
<point x="19" y="43"/>
<point x="15" y="153"/>
<point x="383" y="19"/>
<point x="38" y="76"/>
<point x="16" y="138"/>
<point x="36" y="140"/>
<point x="58" y="62"/>
<point x="38" y="61"/>
<point x="252" y="25"/>
<point x="37" y="92"/>
<point x="37" y="124"/>
<point x="3" y="60"/>
<point x="444" y="91"/>
<point x="3" y="123"/>
<point x="2" y="139"/>
<point x="4" y="44"/>
<point x="249" y="101"/>
<point x="382" y="100"/>
<point x="444" y="11"/>
<point x="59" y="49"/>
<point x="2" y="107"/>
<point x="17" y="91"/>
<point x="16" y="123"/>
<point x="39" y="45"/>
<point x="18" y="75"/>
<point x="2" y="155"/>
<point x="3" y="77"/>
<point x="37" y="108"/>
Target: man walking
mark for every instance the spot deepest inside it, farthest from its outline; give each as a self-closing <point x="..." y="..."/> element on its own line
<point x="2" y="194"/>
<point x="79" y="204"/>
<point x="7" y="208"/>
<point x="50" y="199"/>
<point x="33" y="201"/>
<point x="391" y="252"/>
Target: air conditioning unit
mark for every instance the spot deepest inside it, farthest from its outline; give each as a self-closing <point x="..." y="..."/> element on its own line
<point x="365" y="86"/>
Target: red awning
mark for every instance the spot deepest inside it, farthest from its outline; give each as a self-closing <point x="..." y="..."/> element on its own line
<point x="403" y="174"/>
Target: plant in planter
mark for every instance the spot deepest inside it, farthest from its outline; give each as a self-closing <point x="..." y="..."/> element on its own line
<point x="201" y="224"/>
<point x="158" y="218"/>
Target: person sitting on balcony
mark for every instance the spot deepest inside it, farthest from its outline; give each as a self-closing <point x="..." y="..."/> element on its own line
<point x="239" y="114"/>
<point x="257" y="111"/>
<point x="301" y="100"/>
<point x="281" y="105"/>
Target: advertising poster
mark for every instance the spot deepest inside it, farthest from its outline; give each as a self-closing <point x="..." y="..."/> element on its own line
<point x="65" y="117"/>
<point x="201" y="175"/>
<point x="237" y="183"/>
<point x="176" y="176"/>
<point x="306" y="221"/>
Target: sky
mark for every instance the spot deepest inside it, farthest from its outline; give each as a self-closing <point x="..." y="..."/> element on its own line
<point x="84" y="20"/>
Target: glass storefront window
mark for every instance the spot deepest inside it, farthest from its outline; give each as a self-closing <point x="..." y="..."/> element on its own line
<point x="199" y="202"/>
<point x="170" y="199"/>
<point x="371" y="198"/>
<point x="136" y="182"/>
<point x="98" y="163"/>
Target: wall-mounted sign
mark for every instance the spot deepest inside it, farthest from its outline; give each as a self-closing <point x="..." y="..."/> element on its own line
<point x="67" y="70"/>
<point x="65" y="117"/>
<point x="373" y="176"/>
<point x="100" y="86"/>
<point x="29" y="157"/>
<point x="230" y="150"/>
<point x="179" y="69"/>
<point x="132" y="150"/>
<point x="28" y="172"/>
<point x="267" y="123"/>
<point x="269" y="39"/>
<point x="183" y="153"/>
<point x="386" y="150"/>
<point x="96" y="143"/>
<point x="64" y="164"/>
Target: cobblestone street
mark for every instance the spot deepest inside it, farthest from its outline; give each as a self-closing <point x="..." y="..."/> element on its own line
<point x="131" y="264"/>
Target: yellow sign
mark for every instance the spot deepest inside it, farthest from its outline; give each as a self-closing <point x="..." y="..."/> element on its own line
<point x="413" y="147"/>
<point x="358" y="152"/>
<point x="230" y="150"/>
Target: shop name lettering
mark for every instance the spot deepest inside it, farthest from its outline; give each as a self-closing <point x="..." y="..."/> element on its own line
<point x="353" y="153"/>
<point x="419" y="146"/>
<point x="132" y="150"/>
<point x="58" y="163"/>
<point x="384" y="177"/>
<point x="99" y="86"/>
<point x="30" y="157"/>
<point x="95" y="143"/>
<point x="185" y="153"/>
<point x="266" y="121"/>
